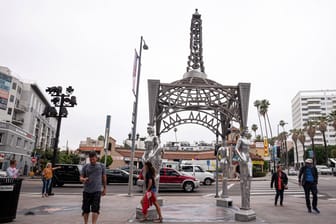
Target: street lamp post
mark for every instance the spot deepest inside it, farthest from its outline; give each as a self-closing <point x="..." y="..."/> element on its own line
<point x="61" y="100"/>
<point x="144" y="46"/>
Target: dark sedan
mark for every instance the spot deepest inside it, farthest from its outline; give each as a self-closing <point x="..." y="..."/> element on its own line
<point x="119" y="176"/>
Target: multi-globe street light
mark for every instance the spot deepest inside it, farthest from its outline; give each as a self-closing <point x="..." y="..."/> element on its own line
<point x="61" y="100"/>
<point x="144" y="46"/>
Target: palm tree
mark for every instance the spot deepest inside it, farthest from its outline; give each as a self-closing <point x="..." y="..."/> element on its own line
<point x="257" y="105"/>
<point x="258" y="138"/>
<point x="264" y="105"/>
<point x="322" y="127"/>
<point x="295" y="135"/>
<point x="332" y="119"/>
<point x="284" y="133"/>
<point x="254" y="128"/>
<point x="263" y="111"/>
<point x="311" y="131"/>
<point x="302" y="139"/>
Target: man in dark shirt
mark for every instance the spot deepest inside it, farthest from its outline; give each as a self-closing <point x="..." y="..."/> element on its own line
<point x="308" y="178"/>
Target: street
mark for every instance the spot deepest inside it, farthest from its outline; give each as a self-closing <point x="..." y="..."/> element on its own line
<point x="261" y="187"/>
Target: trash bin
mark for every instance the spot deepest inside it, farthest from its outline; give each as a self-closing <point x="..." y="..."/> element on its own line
<point x="9" y="194"/>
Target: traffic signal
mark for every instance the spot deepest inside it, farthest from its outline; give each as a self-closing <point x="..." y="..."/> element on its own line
<point x="265" y="147"/>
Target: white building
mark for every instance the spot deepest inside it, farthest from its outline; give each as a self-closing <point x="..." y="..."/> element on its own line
<point x="310" y="105"/>
<point x="21" y="106"/>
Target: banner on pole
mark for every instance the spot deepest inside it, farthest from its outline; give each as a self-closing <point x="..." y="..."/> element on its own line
<point x="135" y="69"/>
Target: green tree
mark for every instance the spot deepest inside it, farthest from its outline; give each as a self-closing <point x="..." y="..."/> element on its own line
<point x="264" y="105"/>
<point x="302" y="139"/>
<point x="254" y="129"/>
<point x="322" y="127"/>
<point x="68" y="158"/>
<point x="332" y="119"/>
<point x="109" y="160"/>
<point x="310" y="127"/>
<point x="295" y="135"/>
<point x="101" y="138"/>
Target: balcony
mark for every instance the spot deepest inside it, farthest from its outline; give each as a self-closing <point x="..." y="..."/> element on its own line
<point x="17" y="121"/>
<point x="20" y="108"/>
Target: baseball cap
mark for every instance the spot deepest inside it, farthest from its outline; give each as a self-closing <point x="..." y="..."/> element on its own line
<point x="309" y="160"/>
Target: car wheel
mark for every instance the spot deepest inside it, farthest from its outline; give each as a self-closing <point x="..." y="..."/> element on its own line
<point x="188" y="186"/>
<point x="207" y="181"/>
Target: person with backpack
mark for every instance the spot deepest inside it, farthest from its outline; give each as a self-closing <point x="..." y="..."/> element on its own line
<point x="93" y="176"/>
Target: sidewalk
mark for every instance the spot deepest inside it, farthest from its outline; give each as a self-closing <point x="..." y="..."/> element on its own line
<point x="63" y="209"/>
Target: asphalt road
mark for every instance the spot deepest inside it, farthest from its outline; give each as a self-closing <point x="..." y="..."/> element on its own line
<point x="326" y="187"/>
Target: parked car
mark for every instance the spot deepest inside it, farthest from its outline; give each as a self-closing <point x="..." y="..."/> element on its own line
<point x="292" y="172"/>
<point x="323" y="169"/>
<point x="127" y="169"/>
<point x="3" y="173"/>
<point x="172" y="179"/>
<point x="67" y="174"/>
<point x="119" y="176"/>
<point x="203" y="176"/>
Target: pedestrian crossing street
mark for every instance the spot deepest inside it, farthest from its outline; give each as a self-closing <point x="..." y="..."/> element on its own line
<point x="262" y="188"/>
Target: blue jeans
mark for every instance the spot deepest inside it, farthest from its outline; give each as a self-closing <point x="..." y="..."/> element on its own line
<point x="46" y="186"/>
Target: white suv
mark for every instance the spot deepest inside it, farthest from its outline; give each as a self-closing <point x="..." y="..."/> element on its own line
<point x="205" y="177"/>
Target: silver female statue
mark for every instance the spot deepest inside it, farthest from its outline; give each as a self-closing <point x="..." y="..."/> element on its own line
<point x="153" y="153"/>
<point x="245" y="164"/>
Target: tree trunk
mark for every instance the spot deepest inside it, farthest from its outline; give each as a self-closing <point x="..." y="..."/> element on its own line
<point x="325" y="148"/>
<point x="297" y="155"/>
<point x="269" y="125"/>
<point x="313" y="147"/>
<point x="261" y="130"/>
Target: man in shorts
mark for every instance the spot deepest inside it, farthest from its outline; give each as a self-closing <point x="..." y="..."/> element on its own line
<point x="93" y="175"/>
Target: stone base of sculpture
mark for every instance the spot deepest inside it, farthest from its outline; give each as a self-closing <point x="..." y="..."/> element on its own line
<point x="152" y="214"/>
<point x="245" y="215"/>
<point x="224" y="202"/>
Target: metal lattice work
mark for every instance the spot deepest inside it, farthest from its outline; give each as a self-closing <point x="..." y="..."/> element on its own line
<point x="196" y="99"/>
<point x="195" y="61"/>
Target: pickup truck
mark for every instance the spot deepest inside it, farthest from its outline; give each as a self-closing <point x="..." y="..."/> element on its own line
<point x="196" y="171"/>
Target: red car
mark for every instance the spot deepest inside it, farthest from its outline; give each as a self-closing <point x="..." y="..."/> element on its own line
<point x="172" y="179"/>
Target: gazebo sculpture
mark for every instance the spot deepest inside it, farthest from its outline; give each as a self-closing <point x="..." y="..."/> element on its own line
<point x="195" y="99"/>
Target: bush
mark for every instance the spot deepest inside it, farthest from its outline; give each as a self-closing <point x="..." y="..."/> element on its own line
<point x="259" y="174"/>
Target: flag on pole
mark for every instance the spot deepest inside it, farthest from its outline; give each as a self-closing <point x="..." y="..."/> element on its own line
<point x="135" y="69"/>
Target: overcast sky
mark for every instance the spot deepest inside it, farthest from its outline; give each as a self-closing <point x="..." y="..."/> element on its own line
<point x="280" y="47"/>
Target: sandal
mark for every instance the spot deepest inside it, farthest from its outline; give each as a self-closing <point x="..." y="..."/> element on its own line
<point x="159" y="220"/>
<point x="144" y="219"/>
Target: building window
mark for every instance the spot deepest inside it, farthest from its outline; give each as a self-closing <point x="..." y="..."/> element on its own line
<point x="14" y="85"/>
<point x="19" y="90"/>
<point x="11" y="98"/>
<point x="1" y="137"/>
<point x="9" y="111"/>
<point x="18" y="141"/>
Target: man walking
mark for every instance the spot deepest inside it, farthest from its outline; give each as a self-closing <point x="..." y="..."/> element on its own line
<point x="280" y="181"/>
<point x="309" y="182"/>
<point x="12" y="171"/>
<point x="93" y="175"/>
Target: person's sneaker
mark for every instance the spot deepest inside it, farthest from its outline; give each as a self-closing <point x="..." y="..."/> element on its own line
<point x="316" y="210"/>
<point x="309" y="210"/>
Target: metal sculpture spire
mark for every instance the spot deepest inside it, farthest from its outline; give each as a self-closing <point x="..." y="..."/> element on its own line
<point x="195" y="59"/>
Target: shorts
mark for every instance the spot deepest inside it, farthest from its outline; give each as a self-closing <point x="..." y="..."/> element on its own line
<point x="91" y="202"/>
